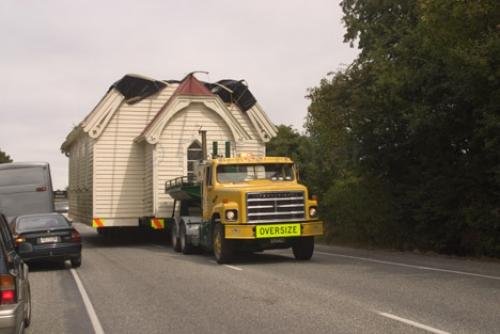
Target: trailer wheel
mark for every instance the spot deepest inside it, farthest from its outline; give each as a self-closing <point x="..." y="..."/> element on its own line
<point x="221" y="246"/>
<point x="303" y="248"/>
<point x="185" y="245"/>
<point x="176" y="245"/>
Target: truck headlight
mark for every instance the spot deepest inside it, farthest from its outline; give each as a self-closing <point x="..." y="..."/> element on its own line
<point x="313" y="212"/>
<point x="231" y="215"/>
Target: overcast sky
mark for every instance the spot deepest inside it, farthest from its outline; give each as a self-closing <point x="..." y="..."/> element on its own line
<point x="58" y="58"/>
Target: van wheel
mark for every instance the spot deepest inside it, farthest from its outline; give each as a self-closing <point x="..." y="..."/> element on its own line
<point x="221" y="246"/>
<point x="176" y="245"/>
<point x="27" y="317"/>
<point x="303" y="248"/>
<point x="76" y="262"/>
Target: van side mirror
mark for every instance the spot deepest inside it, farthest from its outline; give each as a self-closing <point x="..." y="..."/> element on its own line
<point x="24" y="248"/>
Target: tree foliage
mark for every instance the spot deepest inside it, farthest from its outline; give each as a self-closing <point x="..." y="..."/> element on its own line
<point x="290" y="143"/>
<point x="4" y="157"/>
<point x="408" y="136"/>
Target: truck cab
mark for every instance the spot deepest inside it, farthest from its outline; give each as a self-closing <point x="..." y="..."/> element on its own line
<point x="244" y="203"/>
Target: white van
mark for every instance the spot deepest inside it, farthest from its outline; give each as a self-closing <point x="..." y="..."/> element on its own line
<point x="25" y="188"/>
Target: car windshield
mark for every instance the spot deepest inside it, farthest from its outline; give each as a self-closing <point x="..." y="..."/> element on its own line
<point x="247" y="172"/>
<point x="34" y="223"/>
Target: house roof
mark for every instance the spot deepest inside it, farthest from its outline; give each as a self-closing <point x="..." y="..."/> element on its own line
<point x="193" y="89"/>
<point x="136" y="87"/>
<point x="133" y="88"/>
<point x="191" y="86"/>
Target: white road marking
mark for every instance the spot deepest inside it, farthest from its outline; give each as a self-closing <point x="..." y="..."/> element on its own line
<point x="88" y="305"/>
<point x="228" y="266"/>
<point x="466" y="273"/>
<point x="233" y="267"/>
<point x="413" y="323"/>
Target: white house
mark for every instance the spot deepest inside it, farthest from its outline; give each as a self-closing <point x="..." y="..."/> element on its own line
<point x="144" y="132"/>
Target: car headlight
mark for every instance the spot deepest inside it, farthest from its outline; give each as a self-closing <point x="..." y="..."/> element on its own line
<point x="231" y="215"/>
<point x="313" y="212"/>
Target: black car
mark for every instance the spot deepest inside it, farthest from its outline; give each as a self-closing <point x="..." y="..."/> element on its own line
<point x="15" y="295"/>
<point x="49" y="236"/>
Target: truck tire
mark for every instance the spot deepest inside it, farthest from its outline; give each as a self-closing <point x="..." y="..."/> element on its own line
<point x="176" y="245"/>
<point x="221" y="246"/>
<point x="303" y="248"/>
<point x="185" y="244"/>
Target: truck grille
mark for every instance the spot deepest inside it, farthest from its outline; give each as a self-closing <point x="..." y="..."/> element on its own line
<point x="273" y="206"/>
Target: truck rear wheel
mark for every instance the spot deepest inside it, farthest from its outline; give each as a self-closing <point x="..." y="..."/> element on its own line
<point x="186" y="247"/>
<point x="221" y="246"/>
<point x="303" y="248"/>
<point x="176" y="245"/>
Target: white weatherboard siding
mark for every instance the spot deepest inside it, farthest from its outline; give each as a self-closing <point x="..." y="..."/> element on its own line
<point x="254" y="146"/>
<point x="148" y="198"/>
<point x="119" y="163"/>
<point x="243" y="119"/>
<point x="80" y="180"/>
<point x="171" y="151"/>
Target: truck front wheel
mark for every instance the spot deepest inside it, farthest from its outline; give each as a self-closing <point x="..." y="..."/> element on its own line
<point x="221" y="246"/>
<point x="303" y="248"/>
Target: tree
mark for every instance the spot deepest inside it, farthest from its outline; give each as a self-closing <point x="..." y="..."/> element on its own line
<point x="290" y="143"/>
<point x="4" y="157"/>
<point x="414" y="120"/>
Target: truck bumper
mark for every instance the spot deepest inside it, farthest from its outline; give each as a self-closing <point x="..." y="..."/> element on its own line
<point x="248" y="231"/>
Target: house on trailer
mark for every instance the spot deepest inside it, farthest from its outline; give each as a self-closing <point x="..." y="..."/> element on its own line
<point x="144" y="132"/>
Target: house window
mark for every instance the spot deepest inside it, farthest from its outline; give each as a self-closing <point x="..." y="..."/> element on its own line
<point x="194" y="153"/>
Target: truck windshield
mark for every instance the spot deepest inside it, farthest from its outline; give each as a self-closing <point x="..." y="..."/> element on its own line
<point x="247" y="172"/>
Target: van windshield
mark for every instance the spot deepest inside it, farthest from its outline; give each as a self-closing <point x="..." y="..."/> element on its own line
<point x="248" y="172"/>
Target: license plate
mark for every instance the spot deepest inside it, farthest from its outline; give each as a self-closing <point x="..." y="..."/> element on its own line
<point x="47" y="240"/>
<point x="277" y="231"/>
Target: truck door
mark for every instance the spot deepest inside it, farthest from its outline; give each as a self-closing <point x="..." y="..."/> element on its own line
<point x="206" y="228"/>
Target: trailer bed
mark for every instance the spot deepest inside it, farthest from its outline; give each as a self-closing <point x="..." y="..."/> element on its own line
<point x="183" y="188"/>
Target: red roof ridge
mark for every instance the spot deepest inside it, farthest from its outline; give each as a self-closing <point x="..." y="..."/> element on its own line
<point x="192" y="87"/>
<point x="189" y="86"/>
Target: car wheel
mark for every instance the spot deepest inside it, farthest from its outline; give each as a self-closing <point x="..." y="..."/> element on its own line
<point x="76" y="262"/>
<point x="221" y="246"/>
<point x="27" y="317"/>
<point x="176" y="245"/>
<point x="303" y="248"/>
<point x="186" y="247"/>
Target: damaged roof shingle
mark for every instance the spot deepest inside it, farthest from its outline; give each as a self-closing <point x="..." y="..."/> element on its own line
<point x="135" y="88"/>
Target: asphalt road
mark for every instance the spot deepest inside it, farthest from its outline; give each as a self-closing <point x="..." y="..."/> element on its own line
<point x="138" y="286"/>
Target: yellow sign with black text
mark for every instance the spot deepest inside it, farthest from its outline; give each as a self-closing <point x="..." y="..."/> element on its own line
<point x="277" y="231"/>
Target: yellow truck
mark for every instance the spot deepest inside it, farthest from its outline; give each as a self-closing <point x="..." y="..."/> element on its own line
<point x="243" y="203"/>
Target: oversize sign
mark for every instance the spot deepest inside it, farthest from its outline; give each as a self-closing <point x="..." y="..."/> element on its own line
<point x="277" y="231"/>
